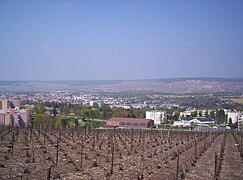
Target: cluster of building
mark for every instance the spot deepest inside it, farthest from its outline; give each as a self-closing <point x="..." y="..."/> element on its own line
<point x="143" y="105"/>
<point x="11" y="114"/>
<point x="154" y="117"/>
<point x="157" y="117"/>
<point x="87" y="98"/>
<point x="189" y="111"/>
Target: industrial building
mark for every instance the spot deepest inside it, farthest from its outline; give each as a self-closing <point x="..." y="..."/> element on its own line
<point x="117" y="122"/>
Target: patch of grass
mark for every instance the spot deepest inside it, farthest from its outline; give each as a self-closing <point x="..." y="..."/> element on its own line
<point x="95" y="124"/>
<point x="164" y="126"/>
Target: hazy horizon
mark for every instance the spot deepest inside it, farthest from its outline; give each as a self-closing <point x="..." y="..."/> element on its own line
<point x="120" y="40"/>
<point x="174" y="78"/>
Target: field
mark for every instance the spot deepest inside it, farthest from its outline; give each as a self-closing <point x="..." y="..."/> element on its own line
<point x="78" y="153"/>
<point x="237" y="100"/>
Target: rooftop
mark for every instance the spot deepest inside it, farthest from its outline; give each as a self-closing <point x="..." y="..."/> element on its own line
<point x="202" y="119"/>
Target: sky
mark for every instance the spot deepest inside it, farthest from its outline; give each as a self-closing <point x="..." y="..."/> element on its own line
<point x="120" y="39"/>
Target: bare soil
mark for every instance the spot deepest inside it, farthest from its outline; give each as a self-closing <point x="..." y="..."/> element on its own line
<point x="76" y="153"/>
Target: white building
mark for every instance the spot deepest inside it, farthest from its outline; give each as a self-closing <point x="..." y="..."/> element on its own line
<point x="121" y="106"/>
<point x="236" y="117"/>
<point x="187" y="113"/>
<point x="240" y="121"/>
<point x="181" y="123"/>
<point x="189" y="121"/>
<point x="157" y="116"/>
<point x="233" y="116"/>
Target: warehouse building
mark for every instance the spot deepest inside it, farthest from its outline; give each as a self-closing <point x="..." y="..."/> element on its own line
<point x="117" y="122"/>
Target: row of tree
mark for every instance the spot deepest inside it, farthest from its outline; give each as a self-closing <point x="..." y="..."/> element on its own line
<point x="68" y="114"/>
<point x="105" y="112"/>
<point x="95" y="112"/>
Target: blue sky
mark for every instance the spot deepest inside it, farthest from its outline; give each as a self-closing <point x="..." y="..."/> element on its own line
<point x="99" y="40"/>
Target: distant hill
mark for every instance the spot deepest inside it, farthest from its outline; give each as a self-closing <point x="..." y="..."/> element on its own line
<point x="172" y="85"/>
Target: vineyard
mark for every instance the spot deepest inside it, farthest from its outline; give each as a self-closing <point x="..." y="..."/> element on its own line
<point x="85" y="153"/>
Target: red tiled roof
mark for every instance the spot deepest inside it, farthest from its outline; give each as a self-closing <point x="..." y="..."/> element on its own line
<point x="118" y="119"/>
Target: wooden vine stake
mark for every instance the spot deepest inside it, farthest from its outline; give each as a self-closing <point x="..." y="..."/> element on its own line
<point x="177" y="165"/>
<point x="49" y="173"/>
<point x="45" y="137"/>
<point x="32" y="149"/>
<point x="12" y="143"/>
<point x="112" y="155"/>
<point x="216" y="166"/>
<point x="57" y="152"/>
<point x="81" y="154"/>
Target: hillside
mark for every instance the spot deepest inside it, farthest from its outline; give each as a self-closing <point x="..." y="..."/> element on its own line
<point x="184" y="85"/>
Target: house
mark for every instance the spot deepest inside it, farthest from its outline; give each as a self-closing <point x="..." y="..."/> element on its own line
<point x="117" y="122"/>
<point x="189" y="121"/>
<point x="199" y="120"/>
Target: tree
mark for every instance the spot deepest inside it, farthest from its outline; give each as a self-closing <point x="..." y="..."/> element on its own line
<point x="39" y="108"/>
<point x="200" y="113"/>
<point x="131" y="114"/>
<point x="206" y="114"/>
<point x="58" y="121"/>
<point x="120" y="112"/>
<point x="76" y="122"/>
<point x="141" y="115"/>
<point x="221" y="116"/>
<point x="64" y="109"/>
<point x="95" y="105"/>
<point x="64" y="122"/>
<point x="93" y="114"/>
<point x="239" y="108"/>
<point x="194" y="114"/>
<point x="105" y="108"/>
<point x="212" y="114"/>
<point x="176" y="115"/>
<point x="85" y="113"/>
<point x="105" y="112"/>
<point x="42" y="119"/>
<point x="54" y="110"/>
